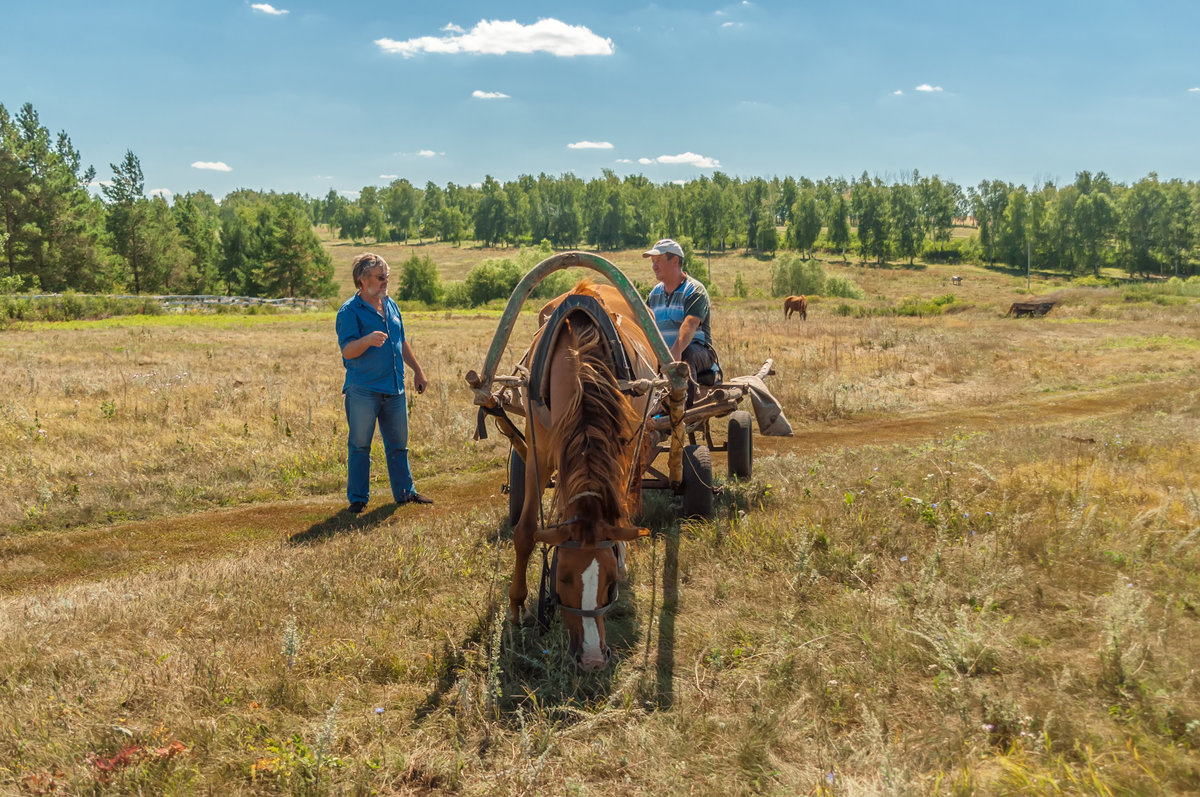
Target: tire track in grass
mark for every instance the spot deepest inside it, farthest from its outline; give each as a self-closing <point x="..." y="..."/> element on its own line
<point x="39" y="561"/>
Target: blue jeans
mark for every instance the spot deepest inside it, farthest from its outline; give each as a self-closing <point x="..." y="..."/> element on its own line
<point x="363" y="409"/>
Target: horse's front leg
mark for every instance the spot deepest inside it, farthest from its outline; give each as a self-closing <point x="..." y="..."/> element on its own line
<point x="537" y="476"/>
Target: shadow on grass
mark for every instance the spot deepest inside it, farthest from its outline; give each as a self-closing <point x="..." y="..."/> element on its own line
<point x="343" y="522"/>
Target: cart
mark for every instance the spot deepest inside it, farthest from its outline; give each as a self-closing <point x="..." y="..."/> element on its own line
<point x="684" y="434"/>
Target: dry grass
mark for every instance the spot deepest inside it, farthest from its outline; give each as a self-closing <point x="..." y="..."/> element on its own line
<point x="973" y="570"/>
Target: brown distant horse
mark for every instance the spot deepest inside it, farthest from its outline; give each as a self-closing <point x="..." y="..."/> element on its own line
<point x="580" y="425"/>
<point x="795" y="304"/>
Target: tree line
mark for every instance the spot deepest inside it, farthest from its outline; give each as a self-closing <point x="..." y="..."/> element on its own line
<point x="58" y="235"/>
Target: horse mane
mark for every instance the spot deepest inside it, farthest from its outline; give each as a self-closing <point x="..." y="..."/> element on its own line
<point x="594" y="432"/>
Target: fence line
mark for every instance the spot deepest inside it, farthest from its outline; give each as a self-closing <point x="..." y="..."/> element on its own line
<point x="187" y="301"/>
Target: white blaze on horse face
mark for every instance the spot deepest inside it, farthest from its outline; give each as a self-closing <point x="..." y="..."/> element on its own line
<point x="591" y="634"/>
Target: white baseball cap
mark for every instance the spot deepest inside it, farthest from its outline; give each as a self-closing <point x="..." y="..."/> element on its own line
<point x="666" y="246"/>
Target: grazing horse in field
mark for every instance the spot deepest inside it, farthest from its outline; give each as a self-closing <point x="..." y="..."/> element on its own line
<point x="795" y="304"/>
<point x="581" y="426"/>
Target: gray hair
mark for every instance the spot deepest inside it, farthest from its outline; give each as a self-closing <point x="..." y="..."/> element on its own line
<point x="363" y="264"/>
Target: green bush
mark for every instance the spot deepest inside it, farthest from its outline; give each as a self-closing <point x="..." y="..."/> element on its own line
<point x="492" y="279"/>
<point x="455" y="295"/>
<point x="913" y="306"/>
<point x="792" y="275"/>
<point x="420" y="281"/>
<point x="740" y="289"/>
<point x="843" y="287"/>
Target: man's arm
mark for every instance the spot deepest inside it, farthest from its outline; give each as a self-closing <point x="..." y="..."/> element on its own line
<point x="419" y="380"/>
<point x="687" y="331"/>
<point x="355" y="348"/>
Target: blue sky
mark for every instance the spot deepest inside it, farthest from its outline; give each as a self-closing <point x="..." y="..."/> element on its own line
<point x="307" y="96"/>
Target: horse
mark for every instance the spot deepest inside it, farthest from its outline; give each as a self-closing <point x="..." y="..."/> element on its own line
<point x="795" y="304"/>
<point x="581" y="426"/>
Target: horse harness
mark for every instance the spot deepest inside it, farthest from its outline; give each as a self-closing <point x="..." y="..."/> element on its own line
<point x="548" y="594"/>
<point x="539" y="360"/>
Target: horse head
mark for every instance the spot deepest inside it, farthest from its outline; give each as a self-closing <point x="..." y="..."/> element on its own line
<point x="585" y="582"/>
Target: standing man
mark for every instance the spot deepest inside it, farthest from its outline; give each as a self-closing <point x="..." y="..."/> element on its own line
<point x="681" y="310"/>
<point x="374" y="351"/>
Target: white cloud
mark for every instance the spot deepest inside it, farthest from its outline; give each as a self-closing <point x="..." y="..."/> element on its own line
<point x="927" y="87"/>
<point x="1197" y="89"/>
<point x="215" y="166"/>
<point x="389" y="177"/>
<point x="624" y="160"/>
<point x="496" y="37"/>
<point x="267" y="8"/>
<point x="163" y="192"/>
<point x="489" y="95"/>
<point x="645" y="161"/>
<point x="590" y="145"/>
<point x="691" y="159"/>
<point x="427" y="153"/>
<point x="452" y="28"/>
<point x="731" y="24"/>
<point x="897" y="93"/>
<point x="679" y="182"/>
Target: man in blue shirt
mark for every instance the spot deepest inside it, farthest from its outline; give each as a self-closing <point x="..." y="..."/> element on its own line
<point x="374" y="351"/>
<point x="681" y="311"/>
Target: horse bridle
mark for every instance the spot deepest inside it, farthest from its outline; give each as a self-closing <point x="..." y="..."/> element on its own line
<point x="548" y="598"/>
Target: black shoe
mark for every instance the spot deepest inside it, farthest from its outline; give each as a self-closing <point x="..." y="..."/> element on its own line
<point x="357" y="507"/>
<point x="417" y="498"/>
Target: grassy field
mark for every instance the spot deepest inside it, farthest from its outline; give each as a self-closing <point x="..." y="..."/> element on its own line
<point x="974" y="569"/>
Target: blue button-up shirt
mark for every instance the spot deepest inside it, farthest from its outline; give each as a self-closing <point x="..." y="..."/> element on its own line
<point x="379" y="368"/>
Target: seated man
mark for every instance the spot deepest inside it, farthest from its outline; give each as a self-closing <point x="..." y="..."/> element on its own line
<point x="681" y="310"/>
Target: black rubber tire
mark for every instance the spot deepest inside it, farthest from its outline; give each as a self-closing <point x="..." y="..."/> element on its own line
<point x="697" y="483"/>
<point x="740" y="445"/>
<point x="516" y="487"/>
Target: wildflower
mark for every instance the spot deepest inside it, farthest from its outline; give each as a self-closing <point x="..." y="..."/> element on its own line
<point x="903" y="558"/>
<point x="989" y="727"/>
<point x="379" y="710"/>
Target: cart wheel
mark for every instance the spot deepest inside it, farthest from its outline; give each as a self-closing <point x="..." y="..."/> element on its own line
<point x="697" y="482"/>
<point x="740" y="445"/>
<point x="516" y="487"/>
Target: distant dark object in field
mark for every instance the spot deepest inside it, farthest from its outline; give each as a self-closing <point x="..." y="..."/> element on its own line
<point x="795" y="304"/>
<point x="956" y="280"/>
<point x="1030" y="309"/>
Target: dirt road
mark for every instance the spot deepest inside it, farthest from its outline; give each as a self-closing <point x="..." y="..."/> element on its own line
<point x="47" y="560"/>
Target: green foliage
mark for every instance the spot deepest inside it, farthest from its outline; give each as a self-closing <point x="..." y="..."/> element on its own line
<point x="492" y="279"/>
<point x="843" y="287"/>
<point x="794" y="275"/>
<point x="60" y="236"/>
<point x="496" y="278"/>
<point x="456" y="295"/>
<point x="740" y="289"/>
<point x="13" y="283"/>
<point x="913" y="306"/>
<point x="73" y="307"/>
<point x="959" y="250"/>
<point x="420" y="281"/>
